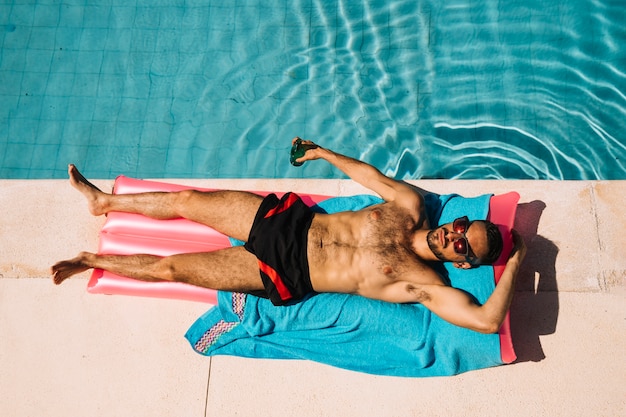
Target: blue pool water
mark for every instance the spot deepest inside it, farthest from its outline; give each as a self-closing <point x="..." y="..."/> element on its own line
<point x="421" y="89"/>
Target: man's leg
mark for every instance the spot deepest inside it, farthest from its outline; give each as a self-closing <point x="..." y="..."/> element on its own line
<point x="229" y="212"/>
<point x="231" y="269"/>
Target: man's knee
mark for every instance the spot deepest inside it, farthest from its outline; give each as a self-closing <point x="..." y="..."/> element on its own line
<point x="185" y="196"/>
<point x="165" y="270"/>
<point x="184" y="200"/>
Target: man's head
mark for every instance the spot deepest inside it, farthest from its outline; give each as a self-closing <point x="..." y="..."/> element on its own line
<point x="466" y="243"/>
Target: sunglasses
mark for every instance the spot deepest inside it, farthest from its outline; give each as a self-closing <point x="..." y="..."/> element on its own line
<point x="461" y="245"/>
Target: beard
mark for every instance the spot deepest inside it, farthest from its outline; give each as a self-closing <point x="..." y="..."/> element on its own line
<point x="432" y="239"/>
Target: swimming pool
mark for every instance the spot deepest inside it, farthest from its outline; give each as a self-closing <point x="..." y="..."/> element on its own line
<point x="421" y="89"/>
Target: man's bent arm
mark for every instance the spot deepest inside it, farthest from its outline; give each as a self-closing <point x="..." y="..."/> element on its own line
<point x="365" y="174"/>
<point x="457" y="307"/>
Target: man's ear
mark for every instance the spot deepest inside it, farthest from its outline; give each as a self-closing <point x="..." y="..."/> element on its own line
<point x="462" y="265"/>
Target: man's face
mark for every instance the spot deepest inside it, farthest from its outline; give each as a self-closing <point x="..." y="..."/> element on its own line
<point x="460" y="241"/>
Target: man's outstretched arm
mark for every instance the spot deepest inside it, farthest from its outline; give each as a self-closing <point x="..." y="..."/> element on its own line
<point x="363" y="173"/>
<point x="457" y="307"/>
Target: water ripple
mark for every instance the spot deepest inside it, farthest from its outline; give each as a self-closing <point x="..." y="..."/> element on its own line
<point x="554" y="102"/>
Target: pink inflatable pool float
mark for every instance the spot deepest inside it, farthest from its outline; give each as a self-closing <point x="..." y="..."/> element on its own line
<point x="126" y="233"/>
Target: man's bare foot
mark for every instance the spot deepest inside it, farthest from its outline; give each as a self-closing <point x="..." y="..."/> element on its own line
<point x="65" y="269"/>
<point x="95" y="197"/>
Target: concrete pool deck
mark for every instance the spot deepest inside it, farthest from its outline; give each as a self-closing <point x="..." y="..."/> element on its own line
<point x="67" y="353"/>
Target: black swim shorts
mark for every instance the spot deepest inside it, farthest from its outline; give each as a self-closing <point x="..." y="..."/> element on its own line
<point x="278" y="239"/>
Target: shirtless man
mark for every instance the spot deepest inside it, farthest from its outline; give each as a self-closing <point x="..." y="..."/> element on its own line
<point x="380" y="252"/>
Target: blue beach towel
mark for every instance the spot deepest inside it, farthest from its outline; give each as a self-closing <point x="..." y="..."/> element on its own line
<point x="354" y="332"/>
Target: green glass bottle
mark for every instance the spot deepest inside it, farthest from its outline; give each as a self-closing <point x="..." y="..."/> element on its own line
<point x="298" y="150"/>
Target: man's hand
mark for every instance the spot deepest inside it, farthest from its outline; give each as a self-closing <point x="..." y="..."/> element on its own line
<point x="519" y="247"/>
<point x="309" y="150"/>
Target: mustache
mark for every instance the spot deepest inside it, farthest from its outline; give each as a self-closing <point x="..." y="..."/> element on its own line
<point x="432" y="240"/>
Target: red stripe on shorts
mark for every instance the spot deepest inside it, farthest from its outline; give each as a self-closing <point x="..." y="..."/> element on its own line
<point x="283" y="291"/>
<point x="284" y="205"/>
